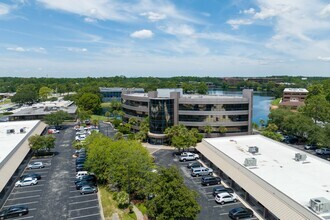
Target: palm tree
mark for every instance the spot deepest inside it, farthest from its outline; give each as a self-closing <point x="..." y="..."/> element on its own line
<point x="222" y="130"/>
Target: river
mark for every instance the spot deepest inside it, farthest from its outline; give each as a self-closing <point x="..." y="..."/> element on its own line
<point x="261" y="103"/>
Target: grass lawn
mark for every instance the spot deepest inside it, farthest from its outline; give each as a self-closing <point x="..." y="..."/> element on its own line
<point x="6" y="101"/>
<point x="99" y="118"/>
<point x="105" y="104"/>
<point x="142" y="208"/>
<point x="110" y="206"/>
<point x="276" y="101"/>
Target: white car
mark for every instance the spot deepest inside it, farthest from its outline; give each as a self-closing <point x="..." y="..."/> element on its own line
<point x="225" y="197"/>
<point x="28" y="181"/>
<point x="35" y="165"/>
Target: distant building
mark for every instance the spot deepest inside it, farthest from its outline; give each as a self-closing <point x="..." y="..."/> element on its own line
<point x="294" y="97"/>
<point x="114" y="93"/>
<point x="168" y="107"/>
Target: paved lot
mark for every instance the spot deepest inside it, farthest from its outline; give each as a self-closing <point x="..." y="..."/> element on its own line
<point x="55" y="196"/>
<point x="209" y="208"/>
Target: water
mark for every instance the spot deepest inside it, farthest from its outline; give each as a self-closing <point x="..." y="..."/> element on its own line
<point x="261" y="103"/>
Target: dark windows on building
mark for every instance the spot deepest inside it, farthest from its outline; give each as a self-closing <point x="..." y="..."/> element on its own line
<point x="134" y="103"/>
<point x="161" y="115"/>
<point x="213" y="107"/>
<point x="213" y="118"/>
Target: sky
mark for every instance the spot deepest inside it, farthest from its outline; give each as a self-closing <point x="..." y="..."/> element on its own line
<point x="164" y="38"/>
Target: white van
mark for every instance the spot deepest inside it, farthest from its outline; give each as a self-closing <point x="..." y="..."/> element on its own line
<point x="81" y="173"/>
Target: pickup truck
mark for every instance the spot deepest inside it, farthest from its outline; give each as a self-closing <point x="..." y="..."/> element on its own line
<point x="186" y="156"/>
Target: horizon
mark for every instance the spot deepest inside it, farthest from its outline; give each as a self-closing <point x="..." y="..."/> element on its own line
<point x="167" y="38"/>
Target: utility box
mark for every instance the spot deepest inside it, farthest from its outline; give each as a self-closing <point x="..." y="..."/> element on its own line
<point x="320" y="205"/>
<point x="253" y="149"/>
<point x="300" y="157"/>
<point x="10" y="131"/>
<point x="249" y="162"/>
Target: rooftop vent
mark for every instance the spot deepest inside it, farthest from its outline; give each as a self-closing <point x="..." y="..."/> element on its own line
<point x="10" y="131"/>
<point x="300" y="157"/>
<point x="250" y="162"/>
<point x="320" y="205"/>
<point x="253" y="150"/>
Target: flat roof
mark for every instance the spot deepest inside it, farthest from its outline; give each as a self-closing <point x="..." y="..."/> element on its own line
<point x="295" y="90"/>
<point x="9" y="141"/>
<point x="300" y="181"/>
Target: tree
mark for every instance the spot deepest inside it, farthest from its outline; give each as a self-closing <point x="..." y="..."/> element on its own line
<point x="318" y="108"/>
<point x="37" y="142"/>
<point x="118" y="136"/>
<point x="90" y="102"/>
<point x="25" y="94"/>
<point x="222" y="130"/>
<point x="107" y="114"/>
<point x="273" y="135"/>
<point x="180" y="137"/>
<point x="202" y="88"/>
<point x="208" y="130"/>
<point x="173" y="200"/>
<point x="84" y="115"/>
<point x="44" y="92"/>
<point x="56" y="118"/>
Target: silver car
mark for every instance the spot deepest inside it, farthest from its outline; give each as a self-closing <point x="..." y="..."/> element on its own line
<point x="36" y="165"/>
<point x="28" y="181"/>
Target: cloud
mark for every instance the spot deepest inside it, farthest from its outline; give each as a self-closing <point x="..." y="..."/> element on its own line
<point x="77" y="50"/>
<point x="90" y="20"/>
<point x="235" y="23"/>
<point x="326" y="59"/>
<point x="153" y="16"/>
<point x="142" y="34"/>
<point x="178" y="30"/>
<point x="249" y="11"/>
<point x="21" y="49"/>
<point x="4" y="9"/>
<point x="325" y="11"/>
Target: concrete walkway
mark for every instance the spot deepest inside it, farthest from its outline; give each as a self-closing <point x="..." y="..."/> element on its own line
<point x="115" y="216"/>
<point x="138" y="213"/>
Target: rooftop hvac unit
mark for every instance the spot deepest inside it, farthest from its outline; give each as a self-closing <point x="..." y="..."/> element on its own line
<point x="253" y="150"/>
<point x="300" y="157"/>
<point x="10" y="131"/>
<point x="320" y="205"/>
<point x="250" y="162"/>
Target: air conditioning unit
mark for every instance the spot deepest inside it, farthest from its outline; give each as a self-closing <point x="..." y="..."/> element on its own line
<point x="10" y="131"/>
<point x="319" y="205"/>
<point x="250" y="162"/>
<point x="300" y="157"/>
<point x="253" y="150"/>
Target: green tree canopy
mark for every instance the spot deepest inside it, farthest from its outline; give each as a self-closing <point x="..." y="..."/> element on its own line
<point x="318" y="108"/>
<point x="44" y="92"/>
<point x="89" y="102"/>
<point x="25" y="94"/>
<point x="37" y="142"/>
<point x="56" y="118"/>
<point x="180" y="137"/>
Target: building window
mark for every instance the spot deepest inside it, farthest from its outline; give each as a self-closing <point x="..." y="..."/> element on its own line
<point x="161" y="115"/>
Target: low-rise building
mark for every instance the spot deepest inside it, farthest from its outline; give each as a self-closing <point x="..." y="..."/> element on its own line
<point x="114" y="93"/>
<point x="294" y="97"/>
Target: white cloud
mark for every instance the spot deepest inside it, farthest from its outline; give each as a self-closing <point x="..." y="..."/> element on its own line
<point x="178" y="30"/>
<point x="326" y="59"/>
<point x="4" y="9"/>
<point x="249" y="11"/>
<point x="235" y="23"/>
<point x="325" y="11"/>
<point x="77" y="50"/>
<point x="90" y="20"/>
<point x="32" y="49"/>
<point x="142" y="34"/>
<point x="153" y="16"/>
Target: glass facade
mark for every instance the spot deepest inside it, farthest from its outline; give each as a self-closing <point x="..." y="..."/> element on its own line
<point x="230" y="129"/>
<point x="134" y="103"/>
<point x="213" y="107"/>
<point x="161" y="115"/>
<point x="213" y="118"/>
<point x="135" y="113"/>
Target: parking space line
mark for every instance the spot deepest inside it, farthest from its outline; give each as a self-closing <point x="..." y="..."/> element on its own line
<point x="225" y="213"/>
<point x="85" y="216"/>
<point x="25" y="203"/>
<point x="73" y="203"/>
<point x="26" y="197"/>
<point x="72" y="197"/>
<point x="32" y="209"/>
<point x="224" y="205"/>
<point x="37" y="190"/>
<point x="91" y="207"/>
<point x="28" y="186"/>
<point x="72" y="191"/>
<point x="27" y="217"/>
<point x="37" y="171"/>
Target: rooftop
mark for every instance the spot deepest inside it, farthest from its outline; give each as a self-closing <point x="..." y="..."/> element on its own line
<point x="119" y="89"/>
<point x="8" y="141"/>
<point x="295" y="90"/>
<point x="300" y="181"/>
<point x="192" y="96"/>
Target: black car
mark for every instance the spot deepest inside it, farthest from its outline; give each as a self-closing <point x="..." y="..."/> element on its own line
<point x="80" y="161"/>
<point x="220" y="189"/>
<point x="85" y="183"/>
<point x="86" y="178"/>
<point x="240" y="212"/>
<point x="210" y="180"/>
<point x="14" y="211"/>
<point x="33" y="175"/>
<point x="79" y="167"/>
<point x="194" y="165"/>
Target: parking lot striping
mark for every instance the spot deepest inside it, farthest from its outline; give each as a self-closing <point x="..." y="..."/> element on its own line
<point x="91" y="207"/>
<point x="33" y="170"/>
<point x="224" y="205"/>
<point x="225" y="213"/>
<point x="27" y="217"/>
<point x="29" y="191"/>
<point x="25" y="197"/>
<point x="85" y="216"/>
<point x="32" y="209"/>
<point x="73" y="203"/>
<point x="73" y="191"/>
<point x="72" y="197"/>
<point x="25" y="203"/>
<point x="29" y="186"/>
<point x="208" y="193"/>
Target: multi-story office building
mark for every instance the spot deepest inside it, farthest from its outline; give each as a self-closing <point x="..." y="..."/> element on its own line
<point x="294" y="97"/>
<point x="114" y="93"/>
<point x="168" y="107"/>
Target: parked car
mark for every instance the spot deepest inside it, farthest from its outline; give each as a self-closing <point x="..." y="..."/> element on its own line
<point x="88" y="190"/>
<point x="80" y="161"/>
<point x="53" y="131"/>
<point x="194" y="165"/>
<point x="36" y="165"/>
<point x="221" y="189"/>
<point x="310" y="147"/>
<point x="14" y="211"/>
<point x="323" y="151"/>
<point x="210" y="180"/>
<point x="185" y="156"/>
<point x="85" y="178"/>
<point x="28" y="181"/>
<point x="240" y="212"/>
<point x="80" y="184"/>
<point x="201" y="171"/>
<point x="225" y="197"/>
<point x="79" y="167"/>
<point x="33" y="175"/>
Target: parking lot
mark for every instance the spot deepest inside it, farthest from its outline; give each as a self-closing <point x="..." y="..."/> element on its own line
<point x="209" y="208"/>
<point x="55" y="196"/>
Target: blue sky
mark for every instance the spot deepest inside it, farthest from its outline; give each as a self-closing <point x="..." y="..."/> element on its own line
<point x="80" y="38"/>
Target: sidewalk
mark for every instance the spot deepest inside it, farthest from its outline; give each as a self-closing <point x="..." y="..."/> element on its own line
<point x="138" y="213"/>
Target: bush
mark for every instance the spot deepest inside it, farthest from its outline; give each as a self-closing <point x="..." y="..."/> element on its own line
<point x="122" y="198"/>
<point x="8" y="113"/>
